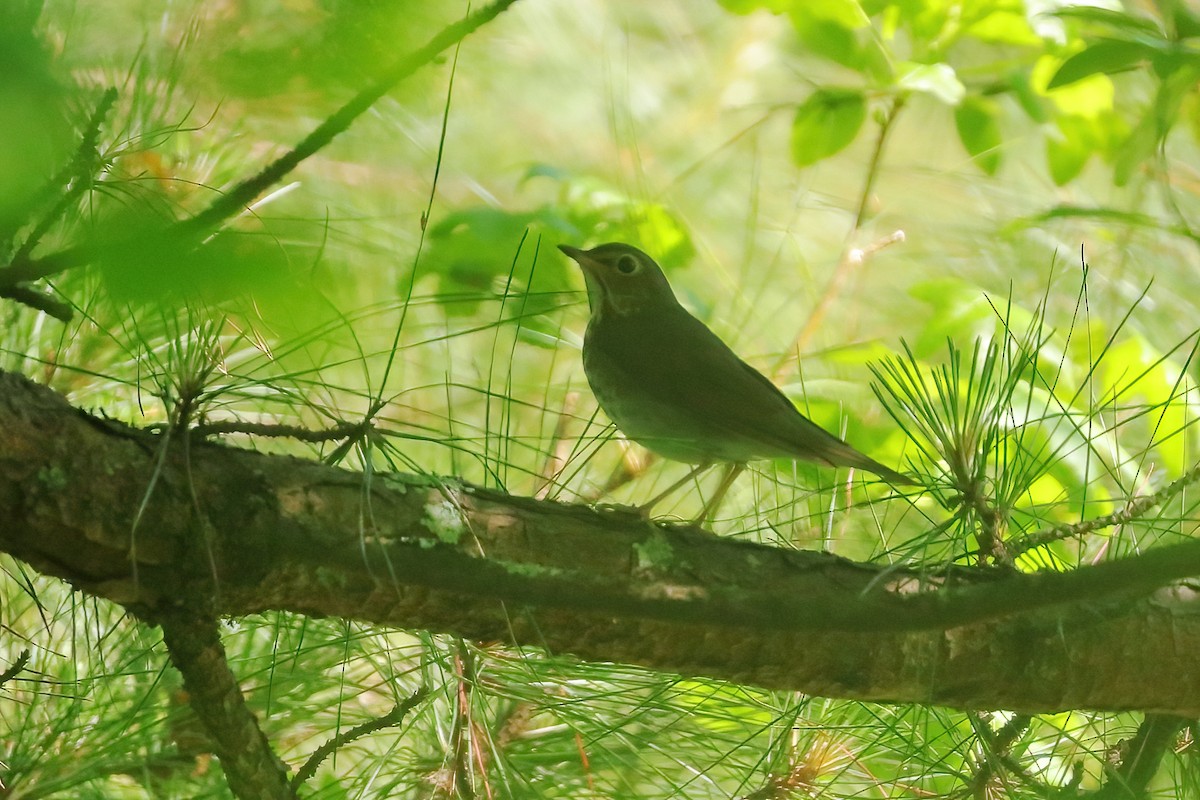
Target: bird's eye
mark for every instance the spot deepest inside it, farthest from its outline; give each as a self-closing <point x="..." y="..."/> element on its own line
<point x="627" y="265"/>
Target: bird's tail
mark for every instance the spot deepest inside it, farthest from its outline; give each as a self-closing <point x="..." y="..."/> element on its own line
<point x="843" y="455"/>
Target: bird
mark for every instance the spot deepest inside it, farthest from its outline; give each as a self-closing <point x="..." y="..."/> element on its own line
<point x="670" y="384"/>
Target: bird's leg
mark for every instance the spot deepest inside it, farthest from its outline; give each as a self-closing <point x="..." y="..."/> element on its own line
<point x="644" y="508"/>
<point x="732" y="470"/>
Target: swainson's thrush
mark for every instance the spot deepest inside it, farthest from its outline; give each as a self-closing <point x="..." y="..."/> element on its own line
<point x="671" y="385"/>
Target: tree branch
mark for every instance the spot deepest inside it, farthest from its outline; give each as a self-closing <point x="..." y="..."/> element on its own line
<point x="1140" y="758"/>
<point x="287" y="534"/>
<point x="253" y="770"/>
<point x="388" y="720"/>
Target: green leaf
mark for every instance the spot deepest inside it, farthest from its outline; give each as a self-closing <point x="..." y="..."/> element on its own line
<point x="977" y="121"/>
<point x="841" y="32"/>
<point x="154" y="264"/>
<point x="1172" y="90"/>
<point x="939" y="80"/>
<point x="830" y="40"/>
<point x="826" y="123"/>
<point x="1005" y="27"/>
<point x="847" y="13"/>
<point x="1116" y="20"/>
<point x="1154" y="127"/>
<point x="1107" y="215"/>
<point x="1190" y="112"/>
<point x="1106" y="56"/>
<point x="744" y="7"/>
<point x="1031" y="102"/>
<point x="472" y="248"/>
<point x="1136" y="374"/>
<point x="1168" y="61"/>
<point x="957" y="312"/>
<point x="1069" y="147"/>
<point x="657" y="228"/>
<point x="1187" y="24"/>
<point x="1090" y="96"/>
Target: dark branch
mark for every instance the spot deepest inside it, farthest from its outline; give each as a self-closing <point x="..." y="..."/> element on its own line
<point x="253" y="770"/>
<point x="1140" y="758"/>
<point x="16" y="669"/>
<point x="283" y="533"/>
<point x="40" y="301"/>
<point x="388" y="720"/>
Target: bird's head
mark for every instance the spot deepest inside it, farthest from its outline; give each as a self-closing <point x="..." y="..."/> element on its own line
<point x="621" y="279"/>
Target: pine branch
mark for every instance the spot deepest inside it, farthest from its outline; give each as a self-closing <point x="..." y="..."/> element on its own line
<point x="253" y="770"/>
<point x="187" y="233"/>
<point x="287" y="534"/>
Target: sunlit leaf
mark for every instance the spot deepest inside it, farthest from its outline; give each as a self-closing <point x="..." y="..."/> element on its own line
<point x="1116" y="20"/>
<point x="721" y="708"/>
<point x="847" y="13"/>
<point x="1004" y="26"/>
<point x="1187" y="23"/>
<point x="1137" y="148"/>
<point x="825" y="123"/>
<point x="1085" y="97"/>
<point x="1153" y="394"/>
<point x="750" y="6"/>
<point x="939" y="80"/>
<point x="1042" y="493"/>
<point x="830" y="40"/>
<point x="977" y="121"/>
<point x="660" y="231"/>
<point x="1106" y="56"/>
<point x="1069" y="145"/>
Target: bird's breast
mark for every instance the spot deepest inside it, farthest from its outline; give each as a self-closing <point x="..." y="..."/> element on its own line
<point x="634" y="370"/>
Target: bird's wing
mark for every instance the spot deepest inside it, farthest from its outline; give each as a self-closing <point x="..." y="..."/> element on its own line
<point x="679" y="363"/>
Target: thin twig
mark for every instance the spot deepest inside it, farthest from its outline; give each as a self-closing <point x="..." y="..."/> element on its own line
<point x="997" y="760"/>
<point x="16" y="669"/>
<point x="852" y="258"/>
<point x="1132" y="510"/>
<point x="342" y="430"/>
<point x="1140" y="757"/>
<point x="39" y="301"/>
<point x="388" y="720"/>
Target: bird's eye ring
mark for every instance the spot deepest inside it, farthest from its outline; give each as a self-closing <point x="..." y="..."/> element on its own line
<point x="627" y="265"/>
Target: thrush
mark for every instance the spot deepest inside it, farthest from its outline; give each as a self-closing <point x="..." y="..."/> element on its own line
<point x="670" y="384"/>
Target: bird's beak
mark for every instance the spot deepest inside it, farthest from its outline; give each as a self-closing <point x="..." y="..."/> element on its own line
<point x="580" y="257"/>
<point x="592" y="272"/>
<point x="591" y="267"/>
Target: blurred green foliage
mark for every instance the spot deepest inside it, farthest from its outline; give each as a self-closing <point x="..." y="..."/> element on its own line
<point x="36" y="136"/>
<point x="474" y="250"/>
<point x="275" y="46"/>
<point x="764" y="157"/>
<point x="932" y="47"/>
